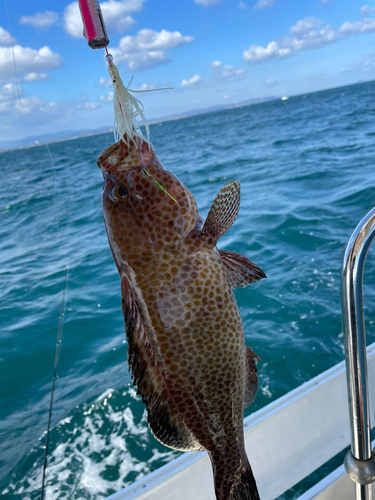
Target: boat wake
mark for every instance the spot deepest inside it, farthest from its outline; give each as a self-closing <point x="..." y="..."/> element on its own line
<point x="96" y="451"/>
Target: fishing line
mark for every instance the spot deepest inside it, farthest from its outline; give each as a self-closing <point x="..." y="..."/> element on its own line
<point x="26" y="114"/>
<point x="57" y="355"/>
<point x="63" y="301"/>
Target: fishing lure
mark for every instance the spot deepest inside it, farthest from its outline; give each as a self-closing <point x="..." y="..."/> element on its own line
<point x="94" y="28"/>
<point x="127" y="108"/>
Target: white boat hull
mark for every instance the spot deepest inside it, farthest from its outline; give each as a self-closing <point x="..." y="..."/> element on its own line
<point x="285" y="441"/>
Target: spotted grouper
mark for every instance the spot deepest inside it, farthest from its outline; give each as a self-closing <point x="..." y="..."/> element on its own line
<point x="186" y="344"/>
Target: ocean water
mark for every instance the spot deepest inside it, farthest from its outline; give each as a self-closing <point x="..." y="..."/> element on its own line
<point x="306" y="167"/>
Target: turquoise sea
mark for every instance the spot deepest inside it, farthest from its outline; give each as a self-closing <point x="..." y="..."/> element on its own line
<point x="306" y="167"/>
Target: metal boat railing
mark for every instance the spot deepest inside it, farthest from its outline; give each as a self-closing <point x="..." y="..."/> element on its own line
<point x="360" y="460"/>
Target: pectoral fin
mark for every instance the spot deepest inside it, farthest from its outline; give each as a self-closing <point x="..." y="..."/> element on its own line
<point x="251" y="377"/>
<point x="240" y="270"/>
<point x="223" y="213"/>
<point x="139" y="350"/>
<point x="163" y="418"/>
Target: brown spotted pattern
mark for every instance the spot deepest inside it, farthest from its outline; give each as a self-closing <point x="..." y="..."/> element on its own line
<point x="223" y="212"/>
<point x="186" y="341"/>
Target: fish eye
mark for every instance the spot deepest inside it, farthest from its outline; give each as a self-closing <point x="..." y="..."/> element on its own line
<point x="121" y="192"/>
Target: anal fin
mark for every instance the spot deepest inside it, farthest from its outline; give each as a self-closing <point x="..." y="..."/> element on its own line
<point x="240" y="270"/>
<point x="251" y="377"/>
<point x="163" y="418"/>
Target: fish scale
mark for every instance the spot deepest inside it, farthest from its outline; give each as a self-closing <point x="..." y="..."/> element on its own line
<point x="186" y="344"/>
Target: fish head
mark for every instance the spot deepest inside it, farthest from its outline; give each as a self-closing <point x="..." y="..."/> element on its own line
<point x="141" y="200"/>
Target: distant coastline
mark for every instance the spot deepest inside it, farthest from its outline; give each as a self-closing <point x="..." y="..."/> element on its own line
<point x="36" y="141"/>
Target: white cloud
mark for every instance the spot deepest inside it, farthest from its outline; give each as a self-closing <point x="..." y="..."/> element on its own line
<point x="40" y="20"/>
<point x="72" y="20"/>
<point x="147" y="48"/>
<point x="194" y="80"/>
<point x="242" y="5"/>
<point x="366" y="10"/>
<point x="148" y="86"/>
<point x="28" y="104"/>
<point x="149" y="40"/>
<point x="264" y="4"/>
<point x="6" y="40"/>
<point x="207" y="3"/>
<point x="14" y="104"/>
<point x="225" y="70"/>
<point x="365" y="26"/>
<point x="305" y="26"/>
<point x="88" y="105"/>
<point x="306" y="35"/>
<point x="36" y="77"/>
<point x="257" y="53"/>
<point x="8" y="94"/>
<point x="367" y="63"/>
<point x="40" y="110"/>
<point x="229" y="71"/>
<point x="116" y="14"/>
<point x="271" y="82"/>
<point x="108" y="97"/>
<point x="105" y="82"/>
<point x="28" y="60"/>
<point x="43" y="114"/>
<point x="142" y="60"/>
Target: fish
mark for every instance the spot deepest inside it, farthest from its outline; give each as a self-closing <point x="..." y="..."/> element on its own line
<point x="186" y="343"/>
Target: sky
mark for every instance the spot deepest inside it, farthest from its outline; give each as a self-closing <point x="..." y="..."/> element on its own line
<point x="212" y="52"/>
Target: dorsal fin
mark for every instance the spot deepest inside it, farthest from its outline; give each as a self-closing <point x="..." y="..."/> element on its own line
<point x="240" y="270"/>
<point x="251" y="377"/>
<point x="223" y="212"/>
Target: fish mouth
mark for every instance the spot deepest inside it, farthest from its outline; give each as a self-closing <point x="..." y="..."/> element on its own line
<point x="124" y="155"/>
<point x="108" y="157"/>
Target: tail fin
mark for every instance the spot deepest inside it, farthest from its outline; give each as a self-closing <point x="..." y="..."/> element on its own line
<point x="245" y="488"/>
<point x="240" y="485"/>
